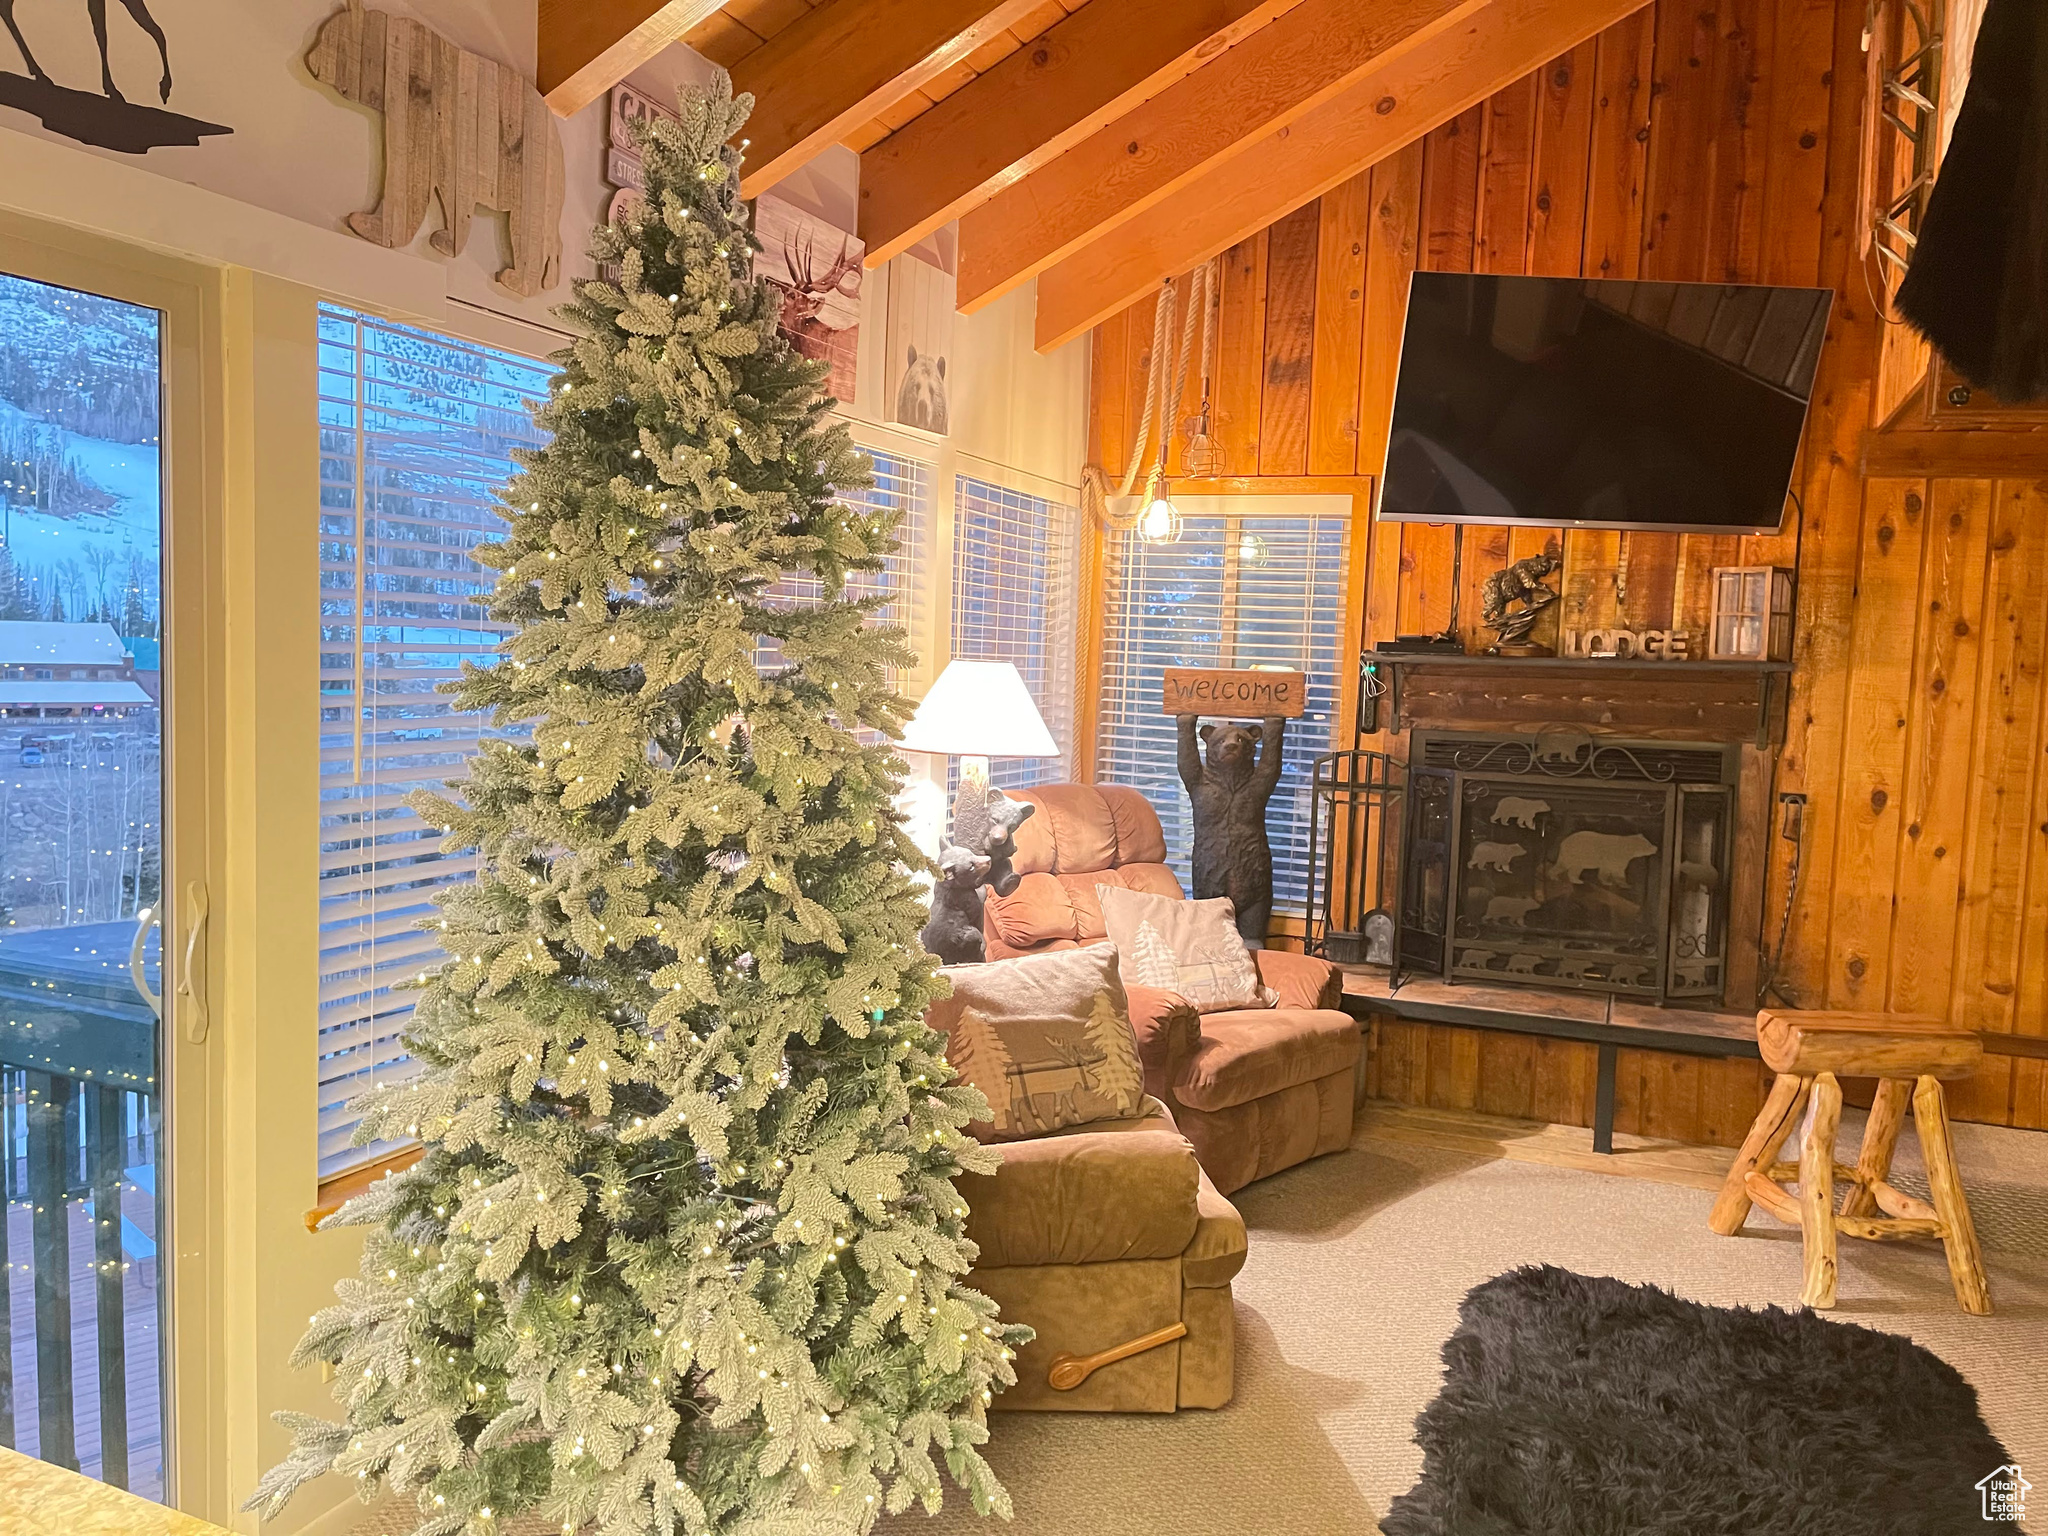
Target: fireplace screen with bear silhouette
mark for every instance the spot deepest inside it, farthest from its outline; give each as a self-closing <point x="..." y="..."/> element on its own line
<point x="1569" y="860"/>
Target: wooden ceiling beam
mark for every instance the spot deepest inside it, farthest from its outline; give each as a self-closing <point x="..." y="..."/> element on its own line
<point x="1073" y="79"/>
<point x="1264" y="83"/>
<point x="1371" y="119"/>
<point x="589" y="46"/>
<point x="846" y="62"/>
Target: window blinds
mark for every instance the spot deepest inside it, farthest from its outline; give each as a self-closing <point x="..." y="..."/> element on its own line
<point x="1015" y="594"/>
<point x="1236" y="591"/>
<point x="416" y="433"/>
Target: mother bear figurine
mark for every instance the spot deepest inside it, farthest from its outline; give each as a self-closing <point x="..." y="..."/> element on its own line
<point x="1229" y="793"/>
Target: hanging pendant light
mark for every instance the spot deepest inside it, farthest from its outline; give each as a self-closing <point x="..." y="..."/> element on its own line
<point x="1160" y="522"/>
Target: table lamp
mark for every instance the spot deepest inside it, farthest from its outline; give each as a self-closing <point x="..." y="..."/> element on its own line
<point x="975" y="711"/>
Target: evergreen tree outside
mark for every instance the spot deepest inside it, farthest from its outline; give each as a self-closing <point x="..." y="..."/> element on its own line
<point x="683" y="1252"/>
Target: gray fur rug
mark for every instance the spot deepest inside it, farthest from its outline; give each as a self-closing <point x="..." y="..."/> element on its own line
<point x="1581" y="1406"/>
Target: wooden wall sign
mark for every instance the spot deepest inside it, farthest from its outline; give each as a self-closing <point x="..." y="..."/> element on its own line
<point x="459" y="128"/>
<point x="1233" y="694"/>
<point x="1624" y="644"/>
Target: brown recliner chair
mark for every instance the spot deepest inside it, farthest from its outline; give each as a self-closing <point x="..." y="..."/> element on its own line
<point x="1103" y="1238"/>
<point x="1256" y="1089"/>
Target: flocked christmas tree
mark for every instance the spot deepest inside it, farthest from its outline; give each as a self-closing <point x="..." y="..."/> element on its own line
<point x="683" y="1253"/>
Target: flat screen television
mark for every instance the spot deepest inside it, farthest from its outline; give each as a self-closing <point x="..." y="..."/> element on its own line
<point x="1592" y="403"/>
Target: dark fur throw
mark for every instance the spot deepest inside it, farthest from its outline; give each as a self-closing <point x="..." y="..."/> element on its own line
<point x="1978" y="286"/>
<point x="1581" y="1406"/>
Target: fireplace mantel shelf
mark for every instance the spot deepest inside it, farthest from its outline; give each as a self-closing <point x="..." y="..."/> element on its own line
<point x="1705" y="698"/>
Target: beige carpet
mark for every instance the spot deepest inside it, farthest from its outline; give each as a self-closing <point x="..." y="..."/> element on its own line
<point x="1357" y="1265"/>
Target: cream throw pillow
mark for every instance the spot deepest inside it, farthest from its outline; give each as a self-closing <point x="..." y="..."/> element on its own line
<point x="1189" y="947"/>
<point x="1046" y="1038"/>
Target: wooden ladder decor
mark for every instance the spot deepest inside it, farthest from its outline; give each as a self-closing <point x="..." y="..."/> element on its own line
<point x="1910" y="1057"/>
<point x="1069" y="1371"/>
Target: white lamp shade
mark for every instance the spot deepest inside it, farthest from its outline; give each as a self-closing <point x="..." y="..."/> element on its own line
<point x="979" y="709"/>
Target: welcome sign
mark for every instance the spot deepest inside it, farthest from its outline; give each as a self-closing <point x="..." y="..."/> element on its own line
<point x="1250" y="693"/>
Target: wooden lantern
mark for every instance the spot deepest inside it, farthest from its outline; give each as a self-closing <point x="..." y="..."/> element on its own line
<point x="1752" y="614"/>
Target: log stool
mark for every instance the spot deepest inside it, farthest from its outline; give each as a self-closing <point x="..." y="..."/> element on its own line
<point x="1909" y="1057"/>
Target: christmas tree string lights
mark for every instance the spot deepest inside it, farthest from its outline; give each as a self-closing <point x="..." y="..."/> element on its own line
<point x="683" y="1253"/>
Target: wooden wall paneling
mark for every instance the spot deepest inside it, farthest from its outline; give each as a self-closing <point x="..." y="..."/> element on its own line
<point x="1450" y="191"/>
<point x="1617" y="157"/>
<point x="1449" y="214"/>
<point x="1241" y="355"/>
<point x="1655" y="1093"/>
<point x="1795" y="168"/>
<point x="1743" y="53"/>
<point x="1338" y="350"/>
<point x="1870" y="823"/>
<point x="2004" y="753"/>
<point x="1454" y="1067"/>
<point x="1591" y="557"/>
<point x="1507" y="1075"/>
<point x="1828" y="546"/>
<point x="1940" y="734"/>
<point x="1646" y="577"/>
<point x="1748" y="929"/>
<point x="1290" y="338"/>
<point x="1564" y="1079"/>
<point x="1732" y="1089"/>
<point x="1685" y="160"/>
<point x="1500" y="244"/>
<point x="1393" y="237"/>
<point x="1618" y="145"/>
<point x="2029" y="1096"/>
<point x="1109" y="394"/>
<point x="1507" y="169"/>
<point x="1563" y="163"/>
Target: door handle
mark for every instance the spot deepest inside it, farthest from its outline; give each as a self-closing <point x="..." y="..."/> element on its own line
<point x="192" y="975"/>
<point x="145" y="920"/>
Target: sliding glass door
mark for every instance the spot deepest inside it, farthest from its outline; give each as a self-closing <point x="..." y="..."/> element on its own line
<point x="81" y="881"/>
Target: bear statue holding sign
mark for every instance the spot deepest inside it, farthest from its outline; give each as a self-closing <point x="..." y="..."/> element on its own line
<point x="1229" y="791"/>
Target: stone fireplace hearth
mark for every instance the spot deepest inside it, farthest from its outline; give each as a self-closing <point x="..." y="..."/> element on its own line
<point x="1569" y="860"/>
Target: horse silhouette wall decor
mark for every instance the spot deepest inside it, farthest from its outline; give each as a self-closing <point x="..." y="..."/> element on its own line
<point x="108" y="119"/>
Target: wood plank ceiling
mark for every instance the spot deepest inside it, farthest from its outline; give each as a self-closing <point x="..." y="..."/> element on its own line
<point x="1100" y="146"/>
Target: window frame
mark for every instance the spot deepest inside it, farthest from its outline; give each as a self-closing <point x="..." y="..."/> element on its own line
<point x="1366" y="547"/>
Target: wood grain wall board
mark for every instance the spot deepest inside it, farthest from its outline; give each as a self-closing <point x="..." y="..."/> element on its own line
<point x="1507" y="1075"/>
<point x="1454" y="1067"/>
<point x="1828" y="544"/>
<point x="1427" y="570"/>
<point x="1337" y="355"/>
<point x="1747" y="933"/>
<point x="1241" y="355"/>
<point x="1109" y="394"/>
<point x="1874" y="737"/>
<point x="1507" y="170"/>
<point x="1485" y="555"/>
<point x="1290" y="339"/>
<point x="1992" y="882"/>
<point x="1450" y="191"/>
<point x="2029" y="1099"/>
<point x="1564" y="1081"/>
<point x="1394" y="237"/>
<point x="1591" y="558"/>
<point x="1563" y="163"/>
<point x="1648" y="574"/>
<point x="1655" y="1093"/>
<point x="1940" y="737"/>
<point x="1618" y="148"/>
<point x="1731" y="1091"/>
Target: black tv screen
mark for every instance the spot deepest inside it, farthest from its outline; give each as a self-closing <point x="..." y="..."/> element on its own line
<point x="1589" y="403"/>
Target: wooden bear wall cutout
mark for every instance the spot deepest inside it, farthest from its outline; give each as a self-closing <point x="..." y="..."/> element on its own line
<point x="458" y="127"/>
